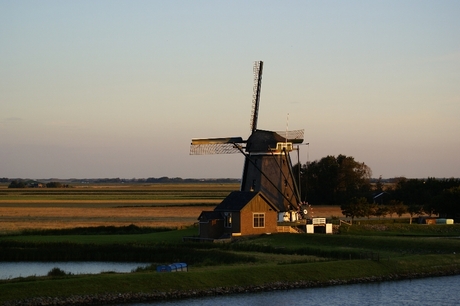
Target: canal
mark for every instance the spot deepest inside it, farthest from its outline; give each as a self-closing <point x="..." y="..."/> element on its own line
<point x="439" y="291"/>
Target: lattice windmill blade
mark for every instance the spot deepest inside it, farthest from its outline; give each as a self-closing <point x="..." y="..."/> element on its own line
<point x="258" y="67"/>
<point x="295" y="136"/>
<point x="208" y="146"/>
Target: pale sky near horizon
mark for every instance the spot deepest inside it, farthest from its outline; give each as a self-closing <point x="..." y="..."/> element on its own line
<point x="92" y="89"/>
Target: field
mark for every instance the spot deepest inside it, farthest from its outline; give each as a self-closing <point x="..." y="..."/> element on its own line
<point x="156" y="205"/>
<point x="106" y="223"/>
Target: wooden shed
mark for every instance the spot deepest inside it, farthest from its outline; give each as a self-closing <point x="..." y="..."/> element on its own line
<point x="240" y="213"/>
<point x="211" y="224"/>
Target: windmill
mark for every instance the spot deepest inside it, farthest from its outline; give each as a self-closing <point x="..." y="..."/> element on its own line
<point x="267" y="165"/>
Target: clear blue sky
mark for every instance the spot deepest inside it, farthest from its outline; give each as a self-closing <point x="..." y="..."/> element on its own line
<point x="93" y="89"/>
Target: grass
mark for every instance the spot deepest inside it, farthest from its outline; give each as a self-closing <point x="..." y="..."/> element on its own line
<point x="401" y="229"/>
<point x="173" y="236"/>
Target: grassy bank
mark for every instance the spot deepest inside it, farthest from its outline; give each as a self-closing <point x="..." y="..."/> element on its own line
<point x="255" y="261"/>
<point x="228" y="276"/>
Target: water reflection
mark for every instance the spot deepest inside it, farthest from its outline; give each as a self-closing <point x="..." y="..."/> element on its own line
<point x="9" y="270"/>
<point x="441" y="291"/>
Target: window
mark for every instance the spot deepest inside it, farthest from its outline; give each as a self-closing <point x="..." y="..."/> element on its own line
<point x="284" y="145"/>
<point x="259" y="220"/>
<point x="228" y="219"/>
<point x="253" y="186"/>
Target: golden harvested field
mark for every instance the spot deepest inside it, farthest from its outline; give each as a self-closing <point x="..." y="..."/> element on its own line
<point x="18" y="218"/>
<point x="150" y="206"/>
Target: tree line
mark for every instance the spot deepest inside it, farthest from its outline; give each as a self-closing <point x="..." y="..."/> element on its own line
<point x="27" y="183"/>
<point x="32" y="184"/>
<point x="341" y="180"/>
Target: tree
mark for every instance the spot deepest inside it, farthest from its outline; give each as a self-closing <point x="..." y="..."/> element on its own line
<point x="17" y="184"/>
<point x="370" y="209"/>
<point x="414" y="210"/>
<point x="448" y="203"/>
<point x="355" y="208"/>
<point x="336" y="180"/>
<point x="321" y="180"/>
<point x="302" y="176"/>
<point x="397" y="207"/>
<point x="382" y="211"/>
<point x="423" y="192"/>
<point x="54" y="185"/>
<point x="379" y="185"/>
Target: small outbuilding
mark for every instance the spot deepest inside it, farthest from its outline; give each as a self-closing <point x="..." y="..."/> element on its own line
<point x="240" y="213"/>
<point x="174" y="267"/>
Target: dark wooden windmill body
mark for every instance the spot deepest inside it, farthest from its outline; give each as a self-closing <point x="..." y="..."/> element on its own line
<point x="267" y="165"/>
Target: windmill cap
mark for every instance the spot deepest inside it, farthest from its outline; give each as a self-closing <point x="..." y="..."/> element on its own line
<point x="263" y="141"/>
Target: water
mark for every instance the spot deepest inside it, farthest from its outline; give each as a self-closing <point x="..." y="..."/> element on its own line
<point x="440" y="291"/>
<point x="9" y="270"/>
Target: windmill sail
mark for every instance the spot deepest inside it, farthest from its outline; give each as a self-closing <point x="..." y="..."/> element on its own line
<point x="207" y="146"/>
<point x="258" y="68"/>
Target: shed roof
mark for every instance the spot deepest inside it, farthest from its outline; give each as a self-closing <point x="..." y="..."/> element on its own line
<point x="210" y="215"/>
<point x="236" y="200"/>
<point x="380" y="195"/>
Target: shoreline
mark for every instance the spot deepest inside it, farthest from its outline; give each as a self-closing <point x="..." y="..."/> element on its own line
<point x="142" y="297"/>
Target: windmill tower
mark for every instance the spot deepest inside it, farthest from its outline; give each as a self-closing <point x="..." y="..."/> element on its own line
<point x="267" y="165"/>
